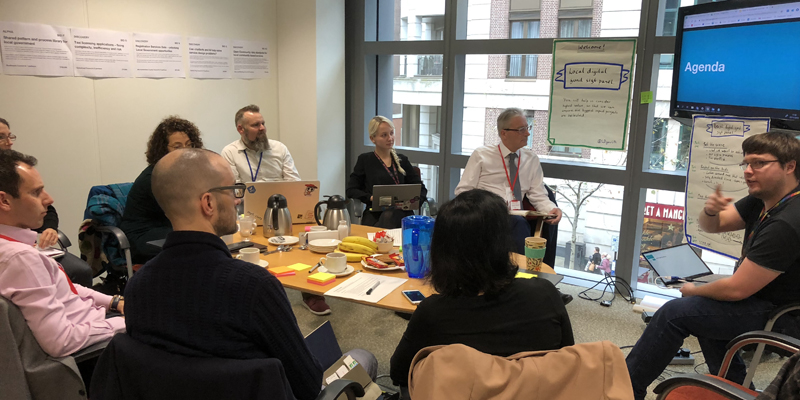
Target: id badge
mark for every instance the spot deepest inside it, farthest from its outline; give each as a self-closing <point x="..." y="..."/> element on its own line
<point x="514" y="205"/>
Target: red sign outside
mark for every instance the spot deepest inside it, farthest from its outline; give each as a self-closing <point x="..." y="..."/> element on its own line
<point x="663" y="212"/>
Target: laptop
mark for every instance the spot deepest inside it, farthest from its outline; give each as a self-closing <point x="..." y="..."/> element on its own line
<point x="401" y="197"/>
<point x="680" y="261"/>
<point x="301" y="197"/>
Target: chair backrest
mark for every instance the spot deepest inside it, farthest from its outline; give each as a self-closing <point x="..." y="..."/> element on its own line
<point x="130" y="369"/>
<point x="27" y="371"/>
<point x="583" y="371"/>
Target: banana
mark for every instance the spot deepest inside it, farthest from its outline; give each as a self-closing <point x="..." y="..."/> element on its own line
<point x="349" y="247"/>
<point x="362" y="241"/>
<point x="351" y="257"/>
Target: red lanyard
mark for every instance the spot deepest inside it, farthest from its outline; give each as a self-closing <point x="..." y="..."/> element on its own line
<point x="392" y="172"/>
<point x="71" y="286"/>
<point x="519" y="161"/>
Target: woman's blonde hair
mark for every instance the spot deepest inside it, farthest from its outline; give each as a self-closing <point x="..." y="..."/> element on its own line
<point x="374" y="125"/>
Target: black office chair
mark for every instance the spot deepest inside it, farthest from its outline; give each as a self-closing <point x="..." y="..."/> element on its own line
<point x="130" y="369"/>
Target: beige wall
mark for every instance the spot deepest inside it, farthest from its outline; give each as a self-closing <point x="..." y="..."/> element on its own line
<point x="88" y="132"/>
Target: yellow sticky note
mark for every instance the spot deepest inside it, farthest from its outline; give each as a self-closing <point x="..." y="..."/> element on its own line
<point x="647" y="98"/>
<point x="525" y="275"/>
<point x="298" y="266"/>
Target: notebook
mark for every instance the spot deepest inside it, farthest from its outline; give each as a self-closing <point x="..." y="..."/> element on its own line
<point x="301" y="197"/>
<point x="680" y="261"/>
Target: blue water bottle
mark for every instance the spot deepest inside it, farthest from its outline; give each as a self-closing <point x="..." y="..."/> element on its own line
<point x="417" y="234"/>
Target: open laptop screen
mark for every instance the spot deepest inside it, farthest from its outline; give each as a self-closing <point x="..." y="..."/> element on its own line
<point x="680" y="261"/>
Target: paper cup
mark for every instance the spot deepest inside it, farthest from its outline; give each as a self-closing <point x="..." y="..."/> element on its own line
<point x="534" y="253"/>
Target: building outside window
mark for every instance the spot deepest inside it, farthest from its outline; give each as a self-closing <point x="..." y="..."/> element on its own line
<point x="523" y="65"/>
<point x="575" y="28"/>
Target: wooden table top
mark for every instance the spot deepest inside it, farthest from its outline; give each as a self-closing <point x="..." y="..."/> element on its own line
<point x="394" y="301"/>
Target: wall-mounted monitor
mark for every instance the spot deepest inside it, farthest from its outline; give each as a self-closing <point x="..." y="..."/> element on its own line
<point x="738" y="58"/>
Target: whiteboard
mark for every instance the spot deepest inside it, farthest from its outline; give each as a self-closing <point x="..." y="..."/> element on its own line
<point x="591" y="93"/>
<point x="714" y="156"/>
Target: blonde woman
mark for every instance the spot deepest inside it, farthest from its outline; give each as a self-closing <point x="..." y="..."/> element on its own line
<point x="383" y="166"/>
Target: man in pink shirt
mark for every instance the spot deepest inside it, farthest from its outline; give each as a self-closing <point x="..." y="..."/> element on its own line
<point x="64" y="317"/>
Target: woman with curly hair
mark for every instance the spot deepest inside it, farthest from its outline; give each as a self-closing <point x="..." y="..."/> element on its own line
<point x="144" y="220"/>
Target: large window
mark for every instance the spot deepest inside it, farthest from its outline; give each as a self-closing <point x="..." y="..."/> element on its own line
<point x="444" y="74"/>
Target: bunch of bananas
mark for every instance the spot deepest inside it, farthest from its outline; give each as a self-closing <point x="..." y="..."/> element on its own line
<point x="356" y="246"/>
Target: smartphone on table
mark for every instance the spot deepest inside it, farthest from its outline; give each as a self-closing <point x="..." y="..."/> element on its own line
<point x="414" y="296"/>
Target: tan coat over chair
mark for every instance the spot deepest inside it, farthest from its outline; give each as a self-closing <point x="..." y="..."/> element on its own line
<point x="584" y="371"/>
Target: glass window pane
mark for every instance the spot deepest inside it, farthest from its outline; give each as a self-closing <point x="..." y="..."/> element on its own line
<point x="416" y="98"/>
<point x="668" y="16"/>
<point x="495" y="19"/>
<point x="415" y="19"/>
<point x="591" y="220"/>
<point x="495" y="82"/>
<point x="430" y="178"/>
<point x="669" y="147"/>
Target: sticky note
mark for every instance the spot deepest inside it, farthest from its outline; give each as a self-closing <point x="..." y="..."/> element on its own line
<point x="331" y="378"/>
<point x="647" y="97"/>
<point x="281" y="271"/>
<point x="525" y="275"/>
<point x="298" y="266"/>
<point x="321" y="278"/>
<point x="350" y="362"/>
<point x="342" y="371"/>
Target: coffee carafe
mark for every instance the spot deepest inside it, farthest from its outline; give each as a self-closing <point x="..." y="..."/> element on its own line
<point x="335" y="211"/>
<point x="277" y="218"/>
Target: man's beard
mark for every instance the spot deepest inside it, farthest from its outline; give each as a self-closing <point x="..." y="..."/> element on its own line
<point x="226" y="223"/>
<point x="260" y="144"/>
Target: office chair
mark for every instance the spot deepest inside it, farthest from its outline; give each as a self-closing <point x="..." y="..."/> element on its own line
<point x="773" y="318"/>
<point x="130" y="369"/>
<point x="100" y="234"/>
<point x="29" y="372"/>
<point x="700" y="387"/>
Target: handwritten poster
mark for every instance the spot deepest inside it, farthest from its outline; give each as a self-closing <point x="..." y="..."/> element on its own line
<point x="158" y="55"/>
<point x="35" y="49"/>
<point x="102" y="54"/>
<point x="250" y="59"/>
<point x="714" y="157"/>
<point x="209" y="58"/>
<point x="591" y="93"/>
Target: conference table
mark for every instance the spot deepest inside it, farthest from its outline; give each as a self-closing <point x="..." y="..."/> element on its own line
<point x="394" y="301"/>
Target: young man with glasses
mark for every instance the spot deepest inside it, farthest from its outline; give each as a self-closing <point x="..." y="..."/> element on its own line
<point x="510" y="171"/>
<point x="767" y="275"/>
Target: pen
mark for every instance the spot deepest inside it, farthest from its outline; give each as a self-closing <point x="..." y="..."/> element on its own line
<point x="369" y="292"/>
<point x="315" y="267"/>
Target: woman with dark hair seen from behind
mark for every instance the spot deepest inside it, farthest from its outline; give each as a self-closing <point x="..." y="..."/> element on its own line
<point x="144" y="220"/>
<point x="479" y="303"/>
<point x="383" y="166"/>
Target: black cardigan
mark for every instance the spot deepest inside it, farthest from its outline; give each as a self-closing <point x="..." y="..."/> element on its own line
<point x="369" y="171"/>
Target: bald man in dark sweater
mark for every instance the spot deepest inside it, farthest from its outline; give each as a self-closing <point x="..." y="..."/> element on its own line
<point x="193" y="299"/>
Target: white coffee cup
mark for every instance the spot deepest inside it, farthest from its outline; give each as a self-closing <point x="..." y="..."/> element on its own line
<point x="334" y="262"/>
<point x="249" y="254"/>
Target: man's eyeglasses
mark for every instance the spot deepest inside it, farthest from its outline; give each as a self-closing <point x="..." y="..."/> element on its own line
<point x="522" y="129"/>
<point x="10" y="138"/>
<point x="238" y="189"/>
<point x="758" y="164"/>
<point x="177" y="146"/>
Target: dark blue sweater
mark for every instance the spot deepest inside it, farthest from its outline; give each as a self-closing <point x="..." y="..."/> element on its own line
<point x="194" y="299"/>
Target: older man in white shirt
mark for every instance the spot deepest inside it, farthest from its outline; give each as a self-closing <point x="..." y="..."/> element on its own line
<point x="254" y="157"/>
<point x="510" y="170"/>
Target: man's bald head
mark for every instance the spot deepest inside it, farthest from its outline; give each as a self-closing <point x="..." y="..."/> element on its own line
<point x="183" y="176"/>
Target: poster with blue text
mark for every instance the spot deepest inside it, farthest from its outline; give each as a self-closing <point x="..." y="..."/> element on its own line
<point x="590" y="93"/>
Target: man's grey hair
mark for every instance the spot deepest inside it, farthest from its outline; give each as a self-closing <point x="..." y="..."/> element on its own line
<point x="506" y="116"/>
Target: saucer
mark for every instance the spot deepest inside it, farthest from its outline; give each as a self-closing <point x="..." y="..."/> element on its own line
<point x="324" y="243"/>
<point x="263" y="263"/>
<point x="287" y="240"/>
<point x="347" y="271"/>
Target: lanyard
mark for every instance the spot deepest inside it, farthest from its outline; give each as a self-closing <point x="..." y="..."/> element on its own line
<point x="71" y="286"/>
<point x="261" y="157"/>
<point x="519" y="161"/>
<point x="392" y="172"/>
<point x="765" y="213"/>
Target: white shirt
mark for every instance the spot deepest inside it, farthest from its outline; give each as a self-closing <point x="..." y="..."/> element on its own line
<point x="276" y="163"/>
<point x="485" y="171"/>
